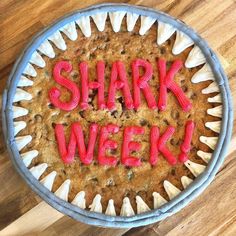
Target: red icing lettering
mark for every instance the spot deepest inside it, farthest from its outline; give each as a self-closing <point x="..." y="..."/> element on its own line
<point x="54" y="93"/>
<point x="186" y="145"/>
<point x="140" y="82"/>
<point x="154" y="137"/>
<point x="100" y="78"/>
<point x="129" y="145"/>
<point x="86" y="85"/>
<point x="105" y="143"/>
<point x="159" y="144"/>
<point x="119" y="81"/>
<point x="167" y="82"/>
<point x="118" y="70"/>
<point x="76" y="138"/>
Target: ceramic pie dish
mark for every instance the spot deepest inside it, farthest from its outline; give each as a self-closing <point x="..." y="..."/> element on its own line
<point x="151" y="129"/>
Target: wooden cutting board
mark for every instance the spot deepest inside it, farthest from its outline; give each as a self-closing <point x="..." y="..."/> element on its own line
<point x="213" y="213"/>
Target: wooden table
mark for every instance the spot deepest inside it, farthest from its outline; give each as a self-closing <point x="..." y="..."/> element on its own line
<point x="213" y="213"/>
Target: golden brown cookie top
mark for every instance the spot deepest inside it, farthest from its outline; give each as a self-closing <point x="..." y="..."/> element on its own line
<point x="113" y="77"/>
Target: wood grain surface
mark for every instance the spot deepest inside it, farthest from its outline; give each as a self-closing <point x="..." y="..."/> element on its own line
<point x="213" y="213"/>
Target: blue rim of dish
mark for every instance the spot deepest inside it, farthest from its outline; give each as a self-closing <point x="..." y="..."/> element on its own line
<point x="98" y="219"/>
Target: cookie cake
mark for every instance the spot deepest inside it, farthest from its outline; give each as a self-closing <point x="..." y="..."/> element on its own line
<point x="116" y="113"/>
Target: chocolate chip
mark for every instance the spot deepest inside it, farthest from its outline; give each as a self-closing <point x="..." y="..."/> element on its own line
<point x="74" y="75"/>
<point x="143" y="122"/>
<point x="127" y="167"/>
<point x="92" y="95"/>
<point x="107" y="40"/>
<point x="127" y="115"/>
<point x="92" y="56"/>
<point x="163" y="50"/>
<point x="53" y="124"/>
<point x="173" y="171"/>
<point x="94" y="180"/>
<point x="174" y="114"/>
<point x="39" y="93"/>
<point x="184" y="88"/>
<point x="81" y="113"/>
<point x="114" y="113"/>
<point x="113" y="151"/>
<point x="51" y="106"/>
<point x="121" y="101"/>
<point x="38" y="118"/>
<point x="122" y="52"/>
<point x="166" y="121"/>
<point x="90" y="103"/>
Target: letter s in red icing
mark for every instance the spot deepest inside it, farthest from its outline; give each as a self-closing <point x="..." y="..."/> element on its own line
<point x="54" y="93"/>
